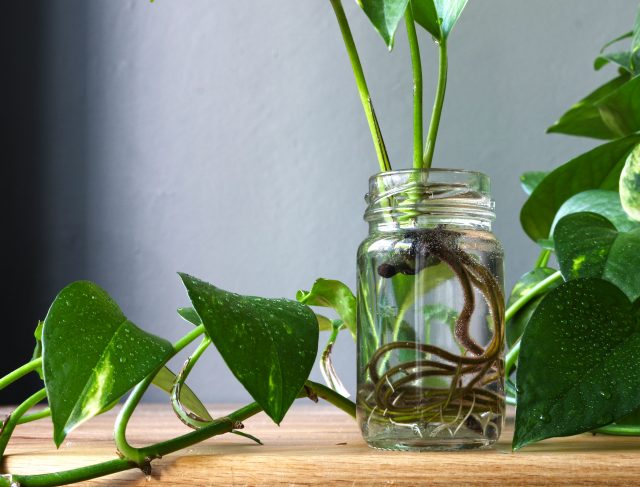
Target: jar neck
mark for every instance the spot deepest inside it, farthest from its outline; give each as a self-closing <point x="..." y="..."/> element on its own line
<point x="415" y="199"/>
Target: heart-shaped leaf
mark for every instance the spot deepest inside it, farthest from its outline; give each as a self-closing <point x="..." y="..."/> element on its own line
<point x="578" y="362"/>
<point x="438" y="17"/>
<point x="584" y="119"/>
<point x="190" y="316"/>
<point x="599" y="168"/>
<point x="601" y="201"/>
<point x="270" y="345"/>
<point x="332" y="294"/>
<point x="630" y="185"/>
<point x="515" y="326"/>
<point x="165" y="379"/>
<point x="92" y="355"/>
<point x="623" y="59"/>
<point x="530" y="180"/>
<point x="385" y="16"/>
<point x="588" y="245"/>
<point x="620" y="110"/>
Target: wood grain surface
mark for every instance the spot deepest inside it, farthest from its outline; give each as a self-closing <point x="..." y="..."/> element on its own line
<point x="320" y="446"/>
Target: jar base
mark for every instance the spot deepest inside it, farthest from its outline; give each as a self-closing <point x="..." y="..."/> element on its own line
<point x="426" y="445"/>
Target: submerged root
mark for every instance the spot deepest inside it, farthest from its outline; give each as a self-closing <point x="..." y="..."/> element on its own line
<point x="473" y="375"/>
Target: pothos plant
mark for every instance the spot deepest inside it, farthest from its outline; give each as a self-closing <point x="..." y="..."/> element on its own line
<point x="574" y="329"/>
<point x="89" y="355"/>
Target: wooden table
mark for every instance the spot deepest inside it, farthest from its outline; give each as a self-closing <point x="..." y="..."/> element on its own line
<point x="318" y="445"/>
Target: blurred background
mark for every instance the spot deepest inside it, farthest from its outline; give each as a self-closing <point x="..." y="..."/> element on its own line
<point x="227" y="140"/>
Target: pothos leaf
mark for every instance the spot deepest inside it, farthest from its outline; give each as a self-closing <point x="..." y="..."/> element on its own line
<point x="515" y="326"/>
<point x="165" y="379"/>
<point x="332" y="294"/>
<point x="92" y="355"/>
<point x="635" y="41"/>
<point x="190" y="316"/>
<point x="385" y="16"/>
<point x="438" y="17"/>
<point x="620" y="110"/>
<point x="581" y="347"/>
<point x="627" y="35"/>
<point x="599" y="168"/>
<point x="37" y="351"/>
<point x="600" y="201"/>
<point x="588" y="245"/>
<point x="630" y="185"/>
<point x="622" y="59"/>
<point x="269" y="345"/>
<point x="584" y="118"/>
<point x="530" y="180"/>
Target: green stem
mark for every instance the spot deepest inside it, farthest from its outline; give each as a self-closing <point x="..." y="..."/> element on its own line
<point x="511" y="359"/>
<point x="134" y="454"/>
<point x="45" y="413"/>
<point x="619" y="430"/>
<point x="416" y="65"/>
<point x="332" y="397"/>
<point x="541" y="287"/>
<point x="20" y="372"/>
<point x="191" y="420"/>
<point x="437" y="106"/>
<point x="13" y="420"/>
<point x="543" y="258"/>
<point x="533" y="292"/>
<point x="167" y="447"/>
<point x="363" y="90"/>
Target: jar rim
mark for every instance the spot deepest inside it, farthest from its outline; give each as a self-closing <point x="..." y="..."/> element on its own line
<point x="436" y="192"/>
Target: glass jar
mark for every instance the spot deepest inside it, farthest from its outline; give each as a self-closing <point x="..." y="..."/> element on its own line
<point x="430" y="313"/>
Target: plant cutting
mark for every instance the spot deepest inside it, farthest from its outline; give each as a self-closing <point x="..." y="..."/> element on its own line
<point x="574" y="330"/>
<point x="429" y="315"/>
<point x="89" y="355"/>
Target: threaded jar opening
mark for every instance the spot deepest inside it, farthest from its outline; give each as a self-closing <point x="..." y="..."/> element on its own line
<point x="437" y="196"/>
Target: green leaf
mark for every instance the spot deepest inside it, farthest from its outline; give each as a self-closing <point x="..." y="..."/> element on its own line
<point x="332" y="294"/>
<point x="37" y="351"/>
<point x="165" y="379"/>
<point x="530" y="180"/>
<point x="515" y="327"/>
<point x="269" y="345"/>
<point x="620" y="110"/>
<point x="635" y="41"/>
<point x="622" y="59"/>
<point x="438" y="17"/>
<point x="630" y="185"/>
<point x="189" y="315"/>
<point x="599" y="168"/>
<point x="385" y="16"/>
<point x="325" y="324"/>
<point x="92" y="355"/>
<point x="627" y="35"/>
<point x="584" y="119"/>
<point x="601" y="201"/>
<point x="588" y="245"/>
<point x="578" y="362"/>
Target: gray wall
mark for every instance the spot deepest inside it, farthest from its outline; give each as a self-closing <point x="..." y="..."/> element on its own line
<point x="226" y="139"/>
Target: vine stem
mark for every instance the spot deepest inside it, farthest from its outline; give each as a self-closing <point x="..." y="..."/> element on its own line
<point x="14" y="418"/>
<point x="141" y="457"/>
<point x="20" y="372"/>
<point x="416" y="65"/>
<point x="514" y="353"/>
<point x="436" y="114"/>
<point x="619" y="430"/>
<point x="543" y="258"/>
<point x="363" y="89"/>
<point x="134" y="454"/>
<point x="533" y="292"/>
<point x="166" y="447"/>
